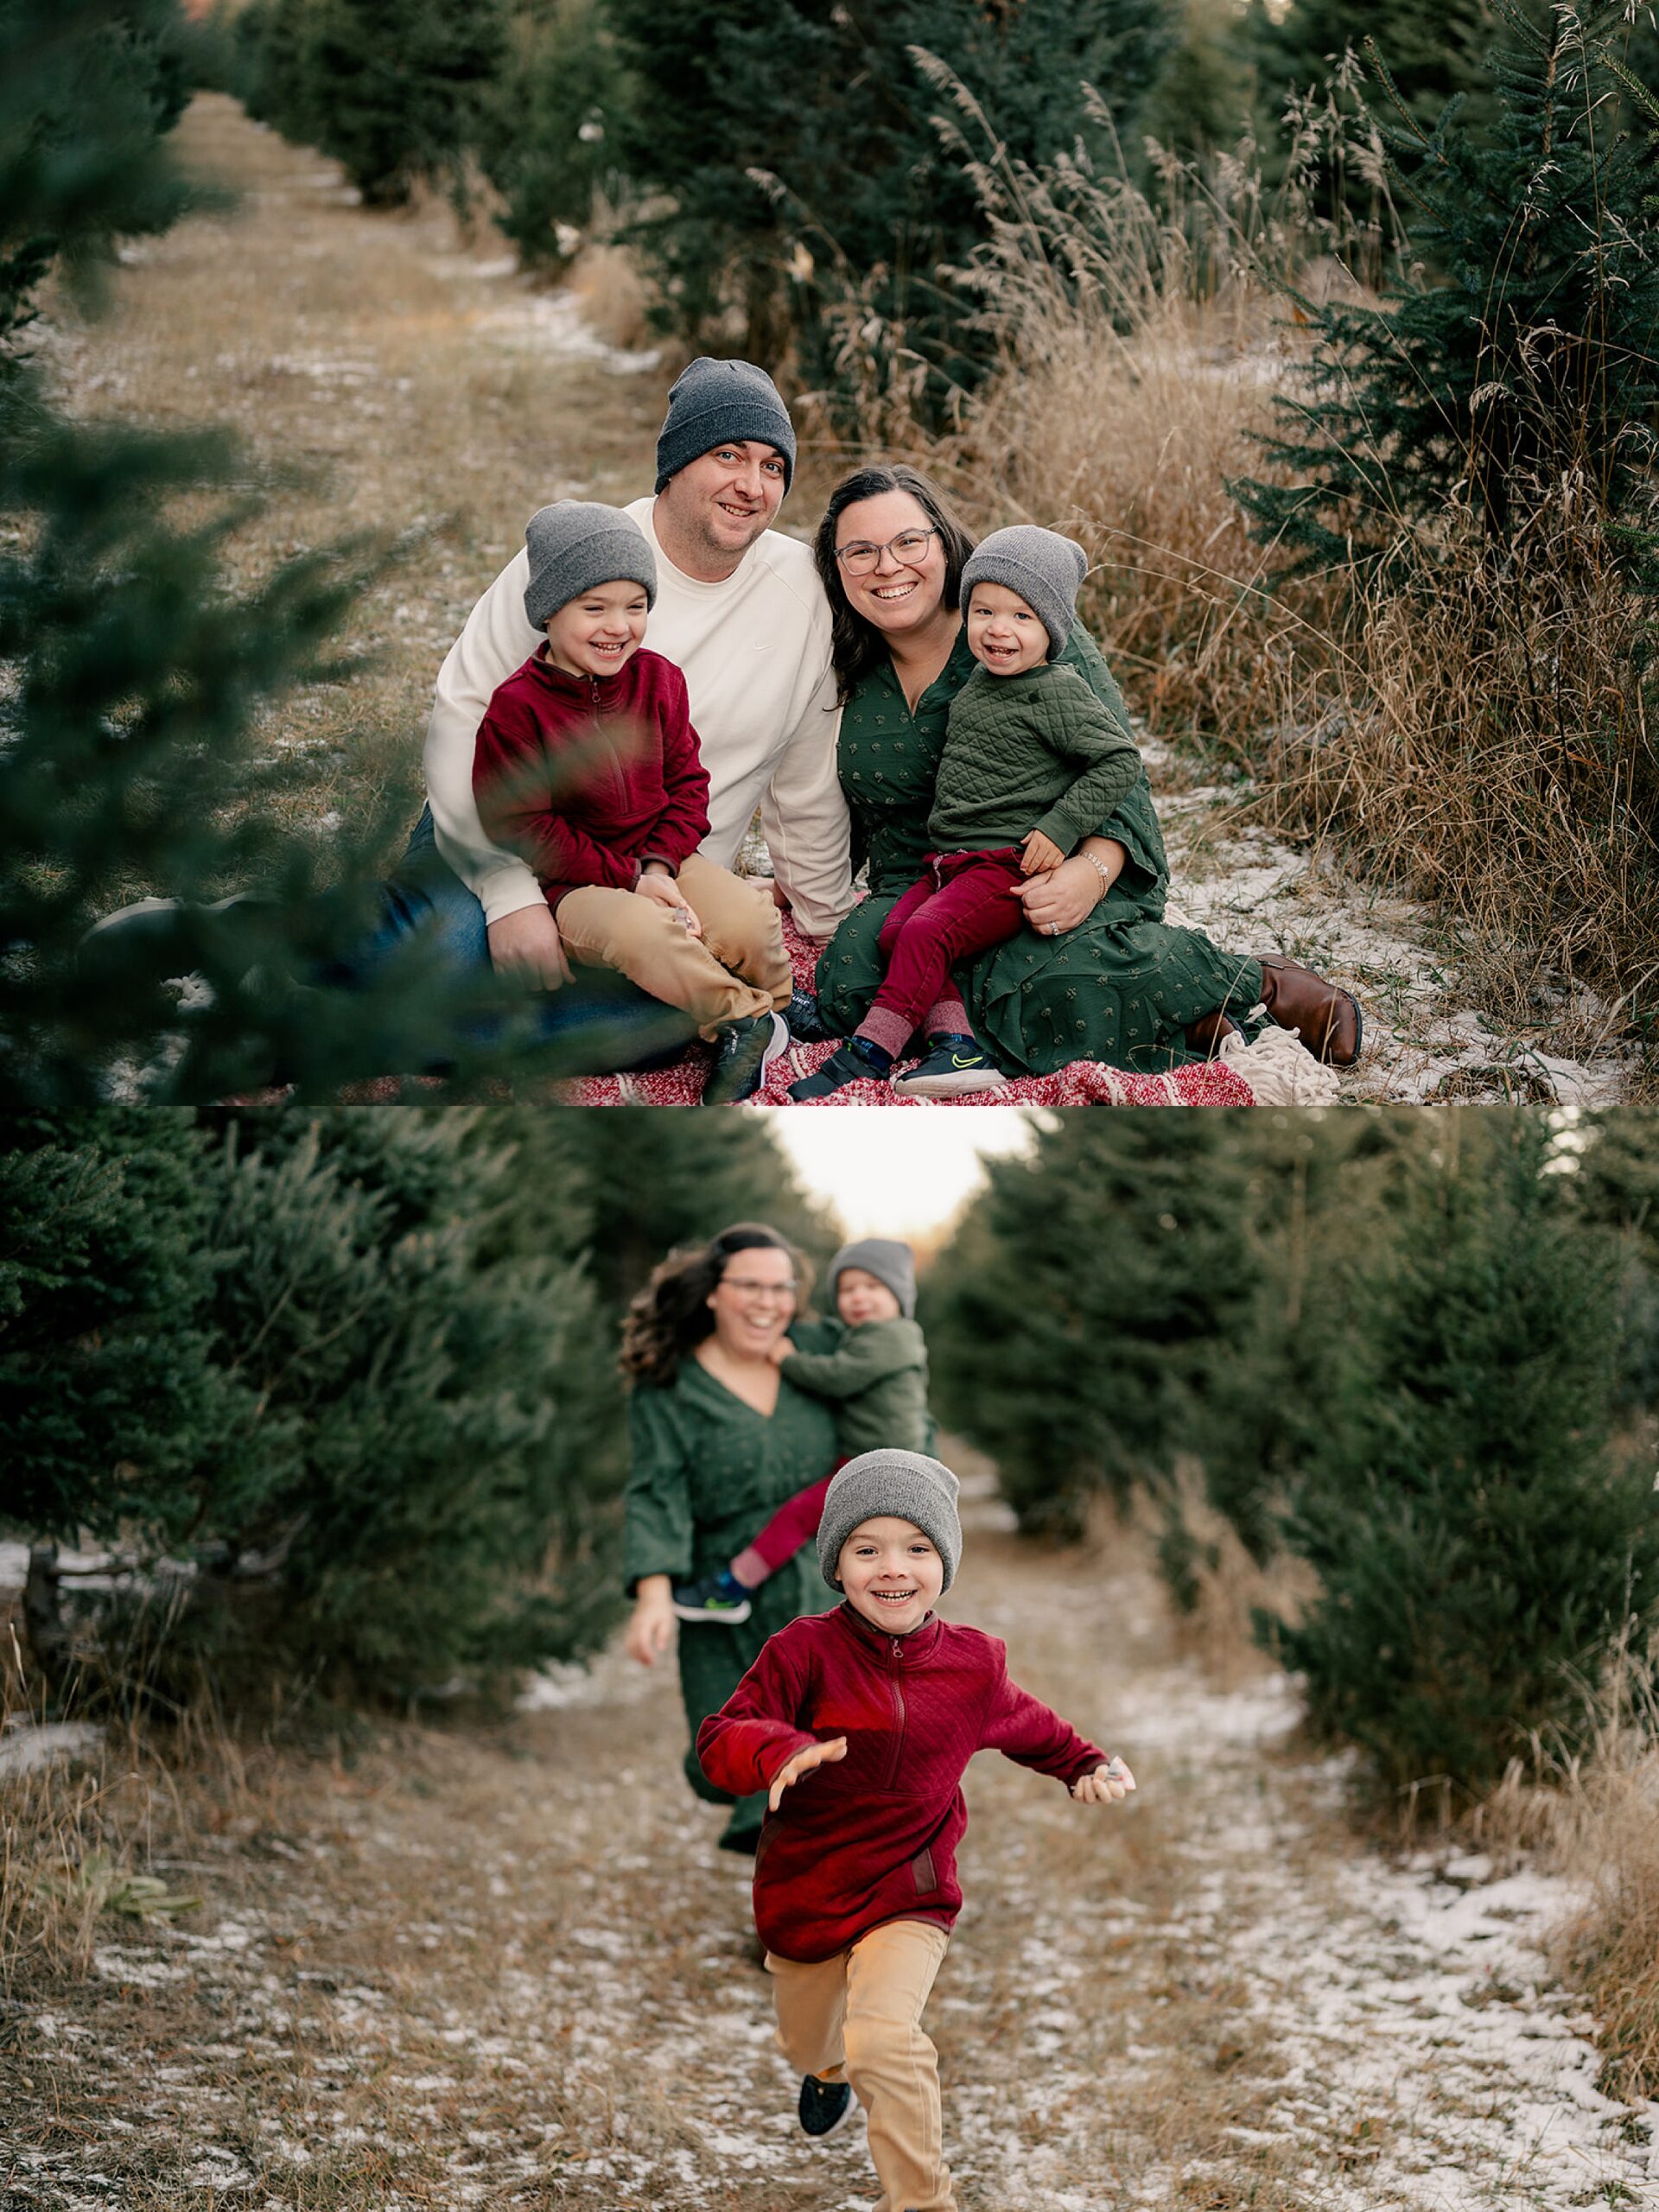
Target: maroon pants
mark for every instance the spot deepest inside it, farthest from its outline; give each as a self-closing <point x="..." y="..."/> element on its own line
<point x="796" y="1519"/>
<point x="962" y="905"/>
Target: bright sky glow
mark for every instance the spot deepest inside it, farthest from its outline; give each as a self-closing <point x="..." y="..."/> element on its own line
<point x="890" y="1170"/>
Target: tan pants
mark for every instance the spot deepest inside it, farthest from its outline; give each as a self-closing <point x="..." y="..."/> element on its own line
<point x="738" y="967"/>
<point x="858" y="2018"/>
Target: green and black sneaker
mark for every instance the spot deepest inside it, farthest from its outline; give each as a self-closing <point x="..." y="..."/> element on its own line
<point x="954" y="1067"/>
<point x="720" y="1599"/>
<point x="823" y="2105"/>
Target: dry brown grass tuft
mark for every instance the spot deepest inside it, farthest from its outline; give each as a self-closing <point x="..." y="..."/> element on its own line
<point x="1484" y="732"/>
<point x="1607" y="1838"/>
<point x="1231" y="1584"/>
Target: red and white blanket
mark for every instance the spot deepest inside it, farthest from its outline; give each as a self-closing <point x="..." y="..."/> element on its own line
<point x="1278" y="1070"/>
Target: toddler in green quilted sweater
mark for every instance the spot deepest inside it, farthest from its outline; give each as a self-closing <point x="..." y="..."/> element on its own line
<point x="1033" y="763"/>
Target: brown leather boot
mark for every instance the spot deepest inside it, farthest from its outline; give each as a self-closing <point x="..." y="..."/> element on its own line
<point x="1204" y="1035"/>
<point x="1327" y="1020"/>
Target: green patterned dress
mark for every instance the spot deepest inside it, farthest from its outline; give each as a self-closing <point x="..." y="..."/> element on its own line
<point x="1119" y="987"/>
<point x="708" y="1473"/>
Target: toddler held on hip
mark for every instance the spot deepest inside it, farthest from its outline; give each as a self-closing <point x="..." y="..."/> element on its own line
<point x="1033" y="764"/>
<point x="859" y="1724"/>
<point x="873" y="1372"/>
<point x="586" y="763"/>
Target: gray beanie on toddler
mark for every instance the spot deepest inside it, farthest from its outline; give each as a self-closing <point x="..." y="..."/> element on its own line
<point x="906" y="1484"/>
<point x="576" y="545"/>
<point x="888" y="1260"/>
<point x="1044" y="568"/>
<point x="717" y="403"/>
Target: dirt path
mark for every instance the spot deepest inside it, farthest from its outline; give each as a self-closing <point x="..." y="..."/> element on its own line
<point x="419" y="388"/>
<point x="513" y="1970"/>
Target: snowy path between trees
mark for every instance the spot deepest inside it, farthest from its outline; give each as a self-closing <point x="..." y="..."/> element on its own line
<point x="513" y="1970"/>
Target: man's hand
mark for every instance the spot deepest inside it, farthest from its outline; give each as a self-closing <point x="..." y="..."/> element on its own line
<point x="1038" y="854"/>
<point x="525" y="944"/>
<point x="655" y="884"/>
<point x="803" y="1763"/>
<point x="1106" y="1785"/>
<point x="779" y="898"/>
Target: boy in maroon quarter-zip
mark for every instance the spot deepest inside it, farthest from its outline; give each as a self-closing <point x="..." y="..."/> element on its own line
<point x="586" y="762"/>
<point x="855" y="1887"/>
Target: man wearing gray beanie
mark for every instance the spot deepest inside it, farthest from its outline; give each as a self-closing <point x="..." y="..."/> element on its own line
<point x="859" y="1724"/>
<point x="741" y="612"/>
<point x="1033" y="764"/>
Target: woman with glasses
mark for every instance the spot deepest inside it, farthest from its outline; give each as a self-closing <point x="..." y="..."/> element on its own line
<point x="1095" y="974"/>
<point x="720" y="1440"/>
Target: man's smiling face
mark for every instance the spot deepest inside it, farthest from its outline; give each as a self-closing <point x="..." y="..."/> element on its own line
<point x="725" y="498"/>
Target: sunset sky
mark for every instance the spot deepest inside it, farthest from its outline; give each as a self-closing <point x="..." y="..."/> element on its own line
<point x="894" y="1171"/>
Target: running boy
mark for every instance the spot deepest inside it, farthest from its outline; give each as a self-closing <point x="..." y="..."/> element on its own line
<point x="1033" y="763"/>
<point x="587" y="763"/>
<point x="875" y="1372"/>
<point x="855" y="1887"/>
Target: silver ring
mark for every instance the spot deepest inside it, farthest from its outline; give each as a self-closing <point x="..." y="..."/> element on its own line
<point x="1053" y="928"/>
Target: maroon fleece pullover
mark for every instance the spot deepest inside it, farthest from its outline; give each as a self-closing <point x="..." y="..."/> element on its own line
<point x="590" y="777"/>
<point x="873" y="1836"/>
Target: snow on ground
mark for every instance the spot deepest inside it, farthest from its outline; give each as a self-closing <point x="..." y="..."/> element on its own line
<point x="527" y="1980"/>
<point x="1424" y="1041"/>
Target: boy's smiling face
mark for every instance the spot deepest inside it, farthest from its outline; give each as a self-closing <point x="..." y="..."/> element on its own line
<point x="599" y="630"/>
<point x="891" y="1573"/>
<point x="1005" y="636"/>
<point x="861" y="1296"/>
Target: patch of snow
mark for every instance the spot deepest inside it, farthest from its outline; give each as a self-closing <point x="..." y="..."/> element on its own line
<point x="552" y="322"/>
<point x="26" y="1745"/>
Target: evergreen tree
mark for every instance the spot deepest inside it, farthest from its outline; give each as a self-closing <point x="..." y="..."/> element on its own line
<point x="1082" y="1309"/>
<point x="272" y="41"/>
<point x="1477" y="1542"/>
<point x="131" y="676"/>
<point x="547" y="132"/>
<point x="1527" y="360"/>
<point x="296" y="1355"/>
<point x="799" y="149"/>
<point x="393" y="88"/>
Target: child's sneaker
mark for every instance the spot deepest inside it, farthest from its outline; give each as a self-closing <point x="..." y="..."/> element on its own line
<point x="823" y="2105"/>
<point x="857" y="1061"/>
<point x="712" y="1599"/>
<point x="954" y="1067"/>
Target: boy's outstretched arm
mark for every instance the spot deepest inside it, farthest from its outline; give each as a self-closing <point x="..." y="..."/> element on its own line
<point x="1026" y="1730"/>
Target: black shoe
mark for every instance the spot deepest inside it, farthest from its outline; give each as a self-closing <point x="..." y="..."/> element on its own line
<point x="823" y="2105"/>
<point x="743" y="1052"/>
<point x="149" y="931"/>
<point x="806" y="1025"/>
<point x="954" y="1067"/>
<point x="853" y="1063"/>
<point x="707" y="1601"/>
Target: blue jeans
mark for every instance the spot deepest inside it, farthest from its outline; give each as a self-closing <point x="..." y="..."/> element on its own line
<point x="601" y="1024"/>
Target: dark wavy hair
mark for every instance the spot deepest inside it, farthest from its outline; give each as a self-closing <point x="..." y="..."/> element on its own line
<point x="672" y="1314"/>
<point x="858" y="645"/>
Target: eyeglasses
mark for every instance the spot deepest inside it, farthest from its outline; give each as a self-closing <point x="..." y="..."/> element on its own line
<point x="909" y="551"/>
<point x="746" y="1286"/>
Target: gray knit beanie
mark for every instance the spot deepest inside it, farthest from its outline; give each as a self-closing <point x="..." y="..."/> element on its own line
<point x="907" y="1484"/>
<point x="577" y="544"/>
<point x="1044" y="568"/>
<point x="887" y="1260"/>
<point x="715" y="401"/>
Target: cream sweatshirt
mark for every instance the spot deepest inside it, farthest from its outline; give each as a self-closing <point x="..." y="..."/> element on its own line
<point x="754" y="651"/>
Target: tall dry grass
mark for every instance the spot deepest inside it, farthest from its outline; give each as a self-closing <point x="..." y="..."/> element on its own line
<point x="1229" y="1584"/>
<point x="1598" y="1820"/>
<point x="1472" y="731"/>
